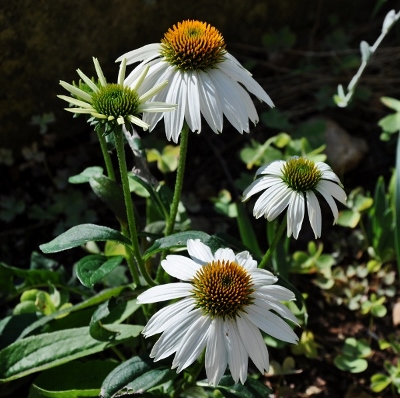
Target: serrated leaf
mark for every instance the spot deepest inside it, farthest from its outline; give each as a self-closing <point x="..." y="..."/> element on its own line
<point x="81" y="234"/>
<point x="47" y="350"/>
<point x="86" y="175"/>
<point x="73" y="380"/>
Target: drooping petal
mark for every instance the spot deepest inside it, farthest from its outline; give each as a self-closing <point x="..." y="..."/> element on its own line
<point x="259" y="185"/>
<point x="216" y="356"/>
<point x="253" y="342"/>
<point x="168" y="316"/>
<point x="172" y="338"/>
<point x="237" y="354"/>
<point x="314" y="213"/>
<point x="295" y="214"/>
<point x="193" y="343"/>
<point x="147" y="52"/>
<point x="270" y="323"/>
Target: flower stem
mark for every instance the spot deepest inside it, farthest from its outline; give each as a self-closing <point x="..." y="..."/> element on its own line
<point x="132" y="230"/>
<point x="179" y="180"/>
<point x="106" y="155"/>
<point x="274" y="243"/>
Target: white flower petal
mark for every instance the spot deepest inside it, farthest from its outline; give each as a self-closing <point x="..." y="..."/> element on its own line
<point x="210" y="105"/>
<point x="147" y="52"/>
<point x="172" y="339"/>
<point x="270" y="323"/>
<point x="168" y="316"/>
<point x="333" y="189"/>
<point x="274" y="168"/>
<point x="253" y="342"/>
<point x="224" y="254"/>
<point x="216" y="356"/>
<point x="165" y="292"/>
<point x="193" y="343"/>
<point x="246" y="260"/>
<point x="259" y="185"/>
<point x="295" y="214"/>
<point x="237" y="354"/>
<point x="180" y="267"/>
<point x="314" y="213"/>
<point x="199" y="252"/>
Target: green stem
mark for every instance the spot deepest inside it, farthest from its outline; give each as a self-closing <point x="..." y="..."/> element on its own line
<point x="179" y="180"/>
<point x="274" y="243"/>
<point x="106" y="155"/>
<point x="132" y="230"/>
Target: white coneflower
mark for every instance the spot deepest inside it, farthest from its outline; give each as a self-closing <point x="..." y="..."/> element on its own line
<point x="114" y="104"/>
<point x="204" y="80"/>
<point x="226" y="301"/>
<point x="293" y="184"/>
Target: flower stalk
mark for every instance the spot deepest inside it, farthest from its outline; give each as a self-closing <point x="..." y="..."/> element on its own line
<point x="106" y="155"/>
<point x="264" y="261"/>
<point x="132" y="229"/>
<point x="179" y="180"/>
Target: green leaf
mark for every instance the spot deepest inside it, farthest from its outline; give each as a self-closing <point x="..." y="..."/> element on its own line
<point x="134" y="376"/>
<point x="154" y="194"/>
<point x="95" y="300"/>
<point x="73" y="380"/>
<point x="247" y="234"/>
<point x="10" y="278"/>
<point x="91" y="269"/>
<point x="111" y="312"/>
<point x="81" y="234"/>
<point x="111" y="194"/>
<point x="86" y="175"/>
<point x="349" y="218"/>
<point x="397" y="205"/>
<point x="390" y="123"/>
<point x="391" y="103"/>
<point x="349" y="364"/>
<point x="174" y="241"/>
<point x="251" y="389"/>
<point x="379" y="382"/>
<point x="47" y="350"/>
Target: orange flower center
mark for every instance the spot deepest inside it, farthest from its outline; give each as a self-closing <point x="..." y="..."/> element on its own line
<point x="193" y="45"/>
<point x="222" y="288"/>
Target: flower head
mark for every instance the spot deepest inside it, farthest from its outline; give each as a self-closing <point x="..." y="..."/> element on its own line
<point x="226" y="301"/>
<point x="205" y="80"/>
<point x="113" y="104"/>
<point x="293" y="184"/>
